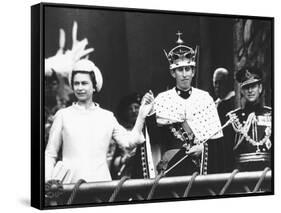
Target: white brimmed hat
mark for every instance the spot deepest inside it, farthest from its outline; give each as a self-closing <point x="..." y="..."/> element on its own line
<point x="85" y="65"/>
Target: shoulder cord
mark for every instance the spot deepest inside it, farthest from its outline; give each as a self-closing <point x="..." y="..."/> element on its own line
<point x="228" y="182"/>
<point x="74" y="191"/>
<point x="118" y="188"/>
<point x="237" y="126"/>
<point x="192" y="179"/>
<point x="155" y="184"/>
<point x="261" y="179"/>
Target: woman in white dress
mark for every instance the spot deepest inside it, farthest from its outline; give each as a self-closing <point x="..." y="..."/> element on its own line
<point x="84" y="131"/>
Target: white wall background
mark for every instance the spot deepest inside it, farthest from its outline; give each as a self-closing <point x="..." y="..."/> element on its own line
<point x="15" y="105"/>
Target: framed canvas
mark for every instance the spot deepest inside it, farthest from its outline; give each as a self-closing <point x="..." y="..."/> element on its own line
<point x="135" y="106"/>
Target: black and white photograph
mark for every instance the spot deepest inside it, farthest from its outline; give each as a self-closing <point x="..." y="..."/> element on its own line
<point x="140" y="106"/>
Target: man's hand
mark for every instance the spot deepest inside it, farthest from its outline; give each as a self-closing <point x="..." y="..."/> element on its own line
<point x="146" y="104"/>
<point x="234" y="120"/>
<point x="195" y="150"/>
<point x="63" y="61"/>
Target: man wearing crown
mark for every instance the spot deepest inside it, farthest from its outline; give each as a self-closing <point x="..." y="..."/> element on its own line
<point x="184" y="118"/>
<point x="251" y="124"/>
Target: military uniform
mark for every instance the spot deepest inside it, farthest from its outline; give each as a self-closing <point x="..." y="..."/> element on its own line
<point x="252" y="146"/>
<point x="251" y="124"/>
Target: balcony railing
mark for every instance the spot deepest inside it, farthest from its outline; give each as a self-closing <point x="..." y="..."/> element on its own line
<point x="181" y="187"/>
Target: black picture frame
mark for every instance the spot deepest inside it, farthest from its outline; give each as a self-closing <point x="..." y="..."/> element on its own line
<point x="129" y="47"/>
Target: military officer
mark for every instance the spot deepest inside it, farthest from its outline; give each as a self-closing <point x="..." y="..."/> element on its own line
<point x="251" y="124"/>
